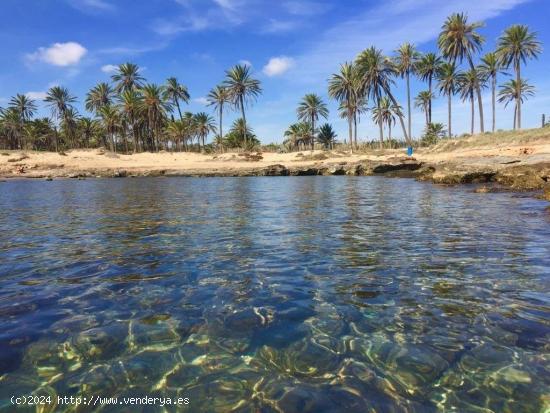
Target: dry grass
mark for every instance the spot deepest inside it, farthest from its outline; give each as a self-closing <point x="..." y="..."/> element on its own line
<point x="494" y="140"/>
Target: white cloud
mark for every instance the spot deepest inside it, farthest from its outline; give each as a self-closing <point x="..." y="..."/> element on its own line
<point x="36" y="95"/>
<point x="279" y="26"/>
<point x="278" y="65"/>
<point x="202" y="101"/>
<point x="109" y="68"/>
<point x="245" y="62"/>
<point x="59" y="54"/>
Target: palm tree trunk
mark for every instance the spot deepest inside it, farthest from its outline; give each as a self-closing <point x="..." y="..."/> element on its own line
<point x="400" y="115"/>
<point x="312" y="133"/>
<point x="430" y="101"/>
<point x="221" y="121"/>
<point x="409" y="104"/>
<point x="515" y="115"/>
<point x="244" y="118"/>
<point x="355" y="128"/>
<point x="479" y="101"/>
<point x="494" y="100"/>
<point x="473" y="110"/>
<point x="350" y="130"/>
<point x="389" y="132"/>
<point x="518" y="91"/>
<point x="179" y="110"/>
<point x="450" y="125"/>
<point x="380" y="128"/>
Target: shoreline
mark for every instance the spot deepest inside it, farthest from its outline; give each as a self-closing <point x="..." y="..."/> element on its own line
<point x="529" y="171"/>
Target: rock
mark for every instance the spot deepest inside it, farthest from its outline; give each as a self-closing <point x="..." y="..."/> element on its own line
<point x="275" y="170"/>
<point x="398" y="165"/>
<point x="120" y="174"/>
<point x="546" y="192"/>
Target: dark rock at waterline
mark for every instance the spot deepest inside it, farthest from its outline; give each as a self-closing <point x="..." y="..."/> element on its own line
<point x="276" y="170"/>
<point x="403" y="165"/>
<point x="120" y="174"/>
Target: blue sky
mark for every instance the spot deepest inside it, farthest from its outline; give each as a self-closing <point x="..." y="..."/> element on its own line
<point x="292" y="45"/>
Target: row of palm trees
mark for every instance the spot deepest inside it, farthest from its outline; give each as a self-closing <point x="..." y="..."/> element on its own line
<point x="131" y="114"/>
<point x="372" y="75"/>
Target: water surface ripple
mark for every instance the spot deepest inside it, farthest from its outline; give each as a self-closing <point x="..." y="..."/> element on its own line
<point x="306" y="294"/>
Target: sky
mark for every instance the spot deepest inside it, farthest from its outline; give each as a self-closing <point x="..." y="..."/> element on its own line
<point x="292" y="46"/>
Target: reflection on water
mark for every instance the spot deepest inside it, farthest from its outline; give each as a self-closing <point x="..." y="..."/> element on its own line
<point x="275" y="294"/>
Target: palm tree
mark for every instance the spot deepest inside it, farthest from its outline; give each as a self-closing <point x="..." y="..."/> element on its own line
<point x="25" y="108"/>
<point x="154" y="107"/>
<point x="345" y="87"/>
<point x="405" y="64"/>
<point x="131" y="106"/>
<point x="219" y="97"/>
<point x="467" y="85"/>
<point x="422" y="101"/>
<point x="174" y="92"/>
<point x="110" y="117"/>
<point x="88" y="128"/>
<point x="489" y="68"/>
<point x="239" y="129"/>
<point x="427" y="68"/>
<point x="178" y="131"/>
<point x="515" y="46"/>
<point x="458" y="40"/>
<point x="204" y="124"/>
<point x="512" y="92"/>
<point x="242" y="88"/>
<point x="326" y="136"/>
<point x="69" y="125"/>
<point x="448" y="77"/>
<point x="309" y="110"/>
<point x="127" y="77"/>
<point x="100" y="95"/>
<point x="60" y="101"/>
<point x="376" y="73"/>
<point x="298" y="134"/>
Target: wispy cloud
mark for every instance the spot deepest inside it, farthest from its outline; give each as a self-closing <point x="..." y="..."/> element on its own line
<point x="278" y="65"/>
<point x="133" y="50"/>
<point x="386" y="27"/>
<point x="59" y="54"/>
<point x="93" y="6"/>
<point x="201" y="100"/>
<point x="109" y="68"/>
<point x="36" y="95"/>
<point x="305" y="7"/>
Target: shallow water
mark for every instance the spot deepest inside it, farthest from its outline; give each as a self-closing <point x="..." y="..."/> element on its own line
<point x="313" y="294"/>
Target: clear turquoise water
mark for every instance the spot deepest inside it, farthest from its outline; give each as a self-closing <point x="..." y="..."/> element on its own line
<point x="306" y="294"/>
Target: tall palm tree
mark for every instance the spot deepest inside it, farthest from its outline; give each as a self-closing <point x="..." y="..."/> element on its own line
<point x="243" y="88"/>
<point x="177" y="131"/>
<point x="127" y="77"/>
<point x="100" y="95"/>
<point x="174" y="92"/>
<point x="131" y="106"/>
<point x="448" y="77"/>
<point x="385" y="113"/>
<point x="326" y="136"/>
<point x="309" y="110"/>
<point x="377" y="73"/>
<point x="427" y="68"/>
<point x="219" y="97"/>
<point x="512" y="92"/>
<point x="69" y="125"/>
<point x="458" y="40"/>
<point x="25" y="108"/>
<point x="204" y="124"/>
<point x="489" y="68"/>
<point x="59" y="100"/>
<point x="155" y="108"/>
<point x="467" y="85"/>
<point x="422" y="101"/>
<point x="111" y="119"/>
<point x="405" y="61"/>
<point x="515" y="46"/>
<point x="239" y="129"/>
<point x="345" y="87"/>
